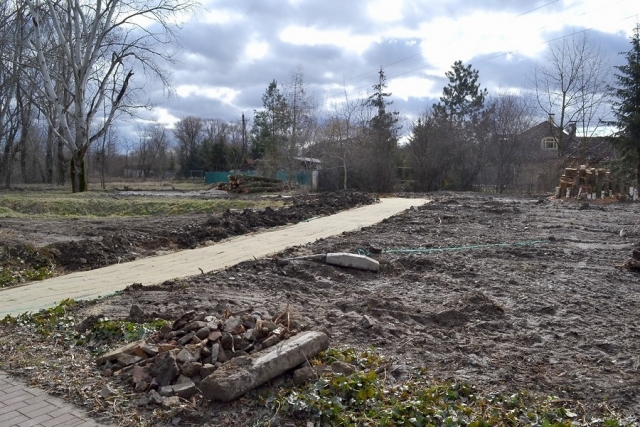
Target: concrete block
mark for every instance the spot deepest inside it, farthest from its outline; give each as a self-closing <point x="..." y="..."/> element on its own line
<point x="244" y="373"/>
<point x="113" y="355"/>
<point x="359" y="262"/>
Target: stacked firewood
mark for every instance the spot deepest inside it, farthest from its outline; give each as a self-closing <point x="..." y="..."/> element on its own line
<point x="584" y="182"/>
<point x="245" y="184"/>
<point x="594" y="183"/>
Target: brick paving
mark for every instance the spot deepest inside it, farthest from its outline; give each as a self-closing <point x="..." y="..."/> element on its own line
<point x="22" y="406"/>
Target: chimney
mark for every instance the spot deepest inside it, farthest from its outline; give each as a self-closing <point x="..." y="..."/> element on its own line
<point x="551" y="117"/>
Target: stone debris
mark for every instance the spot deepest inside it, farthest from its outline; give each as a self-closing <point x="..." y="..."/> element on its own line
<point x="360" y="262"/>
<point x="202" y="352"/>
<point x="633" y="263"/>
<point x="367" y="322"/>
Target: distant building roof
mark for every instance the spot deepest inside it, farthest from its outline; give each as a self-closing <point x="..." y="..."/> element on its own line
<point x="308" y="160"/>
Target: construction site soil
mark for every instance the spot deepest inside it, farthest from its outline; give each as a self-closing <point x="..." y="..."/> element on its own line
<point x="508" y="294"/>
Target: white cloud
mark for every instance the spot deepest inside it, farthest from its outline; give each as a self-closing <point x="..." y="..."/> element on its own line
<point x="311" y="36"/>
<point x="164" y="117"/>
<point x="385" y="10"/>
<point x="413" y="87"/>
<point x="220" y="17"/>
<point x="224" y="94"/>
<point x="237" y="48"/>
<point x="255" y="50"/>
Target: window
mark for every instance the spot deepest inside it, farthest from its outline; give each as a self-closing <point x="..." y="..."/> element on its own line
<point x="549" y="143"/>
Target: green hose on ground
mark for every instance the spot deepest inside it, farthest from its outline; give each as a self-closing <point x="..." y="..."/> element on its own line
<point x="362" y="251"/>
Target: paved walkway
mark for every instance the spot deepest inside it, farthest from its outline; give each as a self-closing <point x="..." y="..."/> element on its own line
<point x="104" y="281"/>
<point x="21" y="405"/>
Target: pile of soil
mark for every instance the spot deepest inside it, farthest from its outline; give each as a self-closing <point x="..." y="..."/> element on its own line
<point x="508" y="294"/>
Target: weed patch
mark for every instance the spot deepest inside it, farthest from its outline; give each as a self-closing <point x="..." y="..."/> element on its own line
<point x="59" y="323"/>
<point x="24" y="263"/>
<point x="365" y="398"/>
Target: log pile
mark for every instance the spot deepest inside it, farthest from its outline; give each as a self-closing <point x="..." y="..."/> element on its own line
<point x="594" y="183"/>
<point x="245" y="184"/>
<point x="587" y="183"/>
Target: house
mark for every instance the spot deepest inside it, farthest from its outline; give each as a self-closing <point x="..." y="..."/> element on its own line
<point x="543" y="163"/>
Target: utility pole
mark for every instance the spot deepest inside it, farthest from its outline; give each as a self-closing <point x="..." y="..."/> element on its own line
<point x="244" y="136"/>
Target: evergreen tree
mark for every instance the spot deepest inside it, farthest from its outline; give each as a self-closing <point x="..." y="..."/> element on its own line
<point x="462" y="100"/>
<point x="269" y="132"/>
<point x="626" y="108"/>
<point x="215" y="153"/>
<point x="384" y="137"/>
<point x="460" y="118"/>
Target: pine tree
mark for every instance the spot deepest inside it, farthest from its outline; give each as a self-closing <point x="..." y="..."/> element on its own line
<point x="626" y="108"/>
<point x="384" y="137"/>
<point x="460" y="118"/>
<point x="462" y="99"/>
<point x="269" y="133"/>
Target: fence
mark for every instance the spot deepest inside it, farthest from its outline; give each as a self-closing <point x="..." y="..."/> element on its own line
<point x="300" y="177"/>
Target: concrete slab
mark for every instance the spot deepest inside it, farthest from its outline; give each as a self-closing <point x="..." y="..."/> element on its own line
<point x="356" y="261"/>
<point x="238" y="376"/>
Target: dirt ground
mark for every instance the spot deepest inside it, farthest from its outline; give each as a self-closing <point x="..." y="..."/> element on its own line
<point x="85" y="244"/>
<point x="508" y="294"/>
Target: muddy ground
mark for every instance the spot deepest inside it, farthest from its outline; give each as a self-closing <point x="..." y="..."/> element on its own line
<point x="508" y="294"/>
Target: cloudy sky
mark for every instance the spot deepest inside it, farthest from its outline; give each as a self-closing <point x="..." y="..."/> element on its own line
<point x="231" y="50"/>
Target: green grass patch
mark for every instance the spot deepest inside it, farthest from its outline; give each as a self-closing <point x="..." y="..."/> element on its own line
<point x="96" y="204"/>
<point x="366" y="399"/>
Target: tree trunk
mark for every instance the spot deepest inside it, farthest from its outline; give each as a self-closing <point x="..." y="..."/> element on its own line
<point x="344" y="171"/>
<point x="72" y="175"/>
<point x="23" y="163"/>
<point x="84" y="184"/>
<point x="78" y="175"/>
<point x="62" y="175"/>
<point x="638" y="167"/>
<point x="7" y="160"/>
<point x="49" y="158"/>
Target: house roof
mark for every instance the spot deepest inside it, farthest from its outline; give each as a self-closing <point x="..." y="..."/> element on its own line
<point x="596" y="149"/>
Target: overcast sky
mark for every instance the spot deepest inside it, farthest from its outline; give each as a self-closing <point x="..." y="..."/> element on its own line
<point x="231" y="50"/>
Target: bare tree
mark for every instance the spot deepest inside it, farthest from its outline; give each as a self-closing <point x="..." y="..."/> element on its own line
<point x="153" y="144"/>
<point x="570" y="84"/>
<point x="511" y="115"/>
<point x="11" y="51"/>
<point x="301" y="111"/>
<point x="342" y="132"/>
<point x="105" y="150"/>
<point x="101" y="43"/>
<point x="189" y="133"/>
<point x="236" y="150"/>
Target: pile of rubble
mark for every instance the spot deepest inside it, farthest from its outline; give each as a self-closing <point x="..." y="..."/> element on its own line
<point x="221" y="357"/>
<point x="245" y="184"/>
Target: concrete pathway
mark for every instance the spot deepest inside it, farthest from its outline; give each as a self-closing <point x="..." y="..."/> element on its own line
<point x="104" y="281"/>
<point x="21" y="405"/>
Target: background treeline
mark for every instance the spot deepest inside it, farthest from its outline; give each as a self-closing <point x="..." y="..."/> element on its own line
<point x="56" y="127"/>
